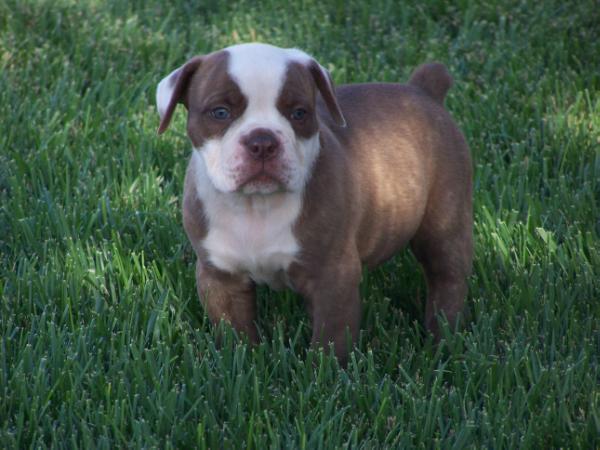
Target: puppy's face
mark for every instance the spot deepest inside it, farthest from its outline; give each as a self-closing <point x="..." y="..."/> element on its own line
<point x="251" y="115"/>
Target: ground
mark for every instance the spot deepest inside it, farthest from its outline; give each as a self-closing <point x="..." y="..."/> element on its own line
<point x="103" y="342"/>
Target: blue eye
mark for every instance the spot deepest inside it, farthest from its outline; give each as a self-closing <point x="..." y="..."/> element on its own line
<point x="299" y="114"/>
<point x="220" y="113"/>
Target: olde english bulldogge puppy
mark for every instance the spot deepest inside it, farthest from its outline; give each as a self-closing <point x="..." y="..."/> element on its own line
<point x="295" y="183"/>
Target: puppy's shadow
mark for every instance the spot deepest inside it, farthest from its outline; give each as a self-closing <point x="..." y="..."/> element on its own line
<point x="393" y="297"/>
<point x="394" y="294"/>
<point x="281" y="315"/>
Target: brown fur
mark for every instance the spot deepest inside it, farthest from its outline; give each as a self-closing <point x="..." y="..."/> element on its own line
<point x="299" y="91"/>
<point x="399" y="173"/>
<point x="209" y="88"/>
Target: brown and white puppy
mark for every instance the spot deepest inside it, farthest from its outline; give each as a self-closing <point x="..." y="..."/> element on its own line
<point x="295" y="183"/>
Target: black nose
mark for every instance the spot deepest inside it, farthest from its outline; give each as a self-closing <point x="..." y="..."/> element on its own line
<point x="262" y="144"/>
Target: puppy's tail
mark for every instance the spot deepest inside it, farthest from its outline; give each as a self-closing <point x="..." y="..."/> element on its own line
<point x="434" y="79"/>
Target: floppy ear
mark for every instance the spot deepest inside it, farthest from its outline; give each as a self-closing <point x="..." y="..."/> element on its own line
<point x="325" y="86"/>
<point x="172" y="89"/>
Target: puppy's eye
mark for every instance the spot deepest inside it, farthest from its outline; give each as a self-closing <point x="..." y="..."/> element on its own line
<point x="299" y="114"/>
<point x="220" y="113"/>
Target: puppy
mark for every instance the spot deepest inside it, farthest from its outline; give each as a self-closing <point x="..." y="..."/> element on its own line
<point x="294" y="183"/>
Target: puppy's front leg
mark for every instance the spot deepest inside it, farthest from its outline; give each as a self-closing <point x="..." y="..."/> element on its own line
<point x="333" y="303"/>
<point x="229" y="297"/>
<point x="336" y="319"/>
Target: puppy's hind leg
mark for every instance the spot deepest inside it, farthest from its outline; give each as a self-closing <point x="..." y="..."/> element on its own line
<point x="446" y="253"/>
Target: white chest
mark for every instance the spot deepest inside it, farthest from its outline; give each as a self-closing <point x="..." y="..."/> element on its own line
<point x="262" y="246"/>
<point x="250" y="234"/>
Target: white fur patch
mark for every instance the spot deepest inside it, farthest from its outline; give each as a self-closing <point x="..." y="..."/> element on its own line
<point x="259" y="70"/>
<point x="248" y="233"/>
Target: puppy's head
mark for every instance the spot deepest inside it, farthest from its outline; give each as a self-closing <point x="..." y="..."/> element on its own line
<point x="251" y="115"/>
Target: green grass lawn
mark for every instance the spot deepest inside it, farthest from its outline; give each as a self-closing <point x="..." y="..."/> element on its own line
<point x="103" y="341"/>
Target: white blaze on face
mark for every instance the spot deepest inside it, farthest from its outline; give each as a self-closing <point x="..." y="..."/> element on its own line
<point x="260" y="70"/>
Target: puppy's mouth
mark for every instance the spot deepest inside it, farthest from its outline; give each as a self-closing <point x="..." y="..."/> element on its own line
<point x="262" y="181"/>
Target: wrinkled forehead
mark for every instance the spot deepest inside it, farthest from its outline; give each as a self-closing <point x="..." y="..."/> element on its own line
<point x="260" y="69"/>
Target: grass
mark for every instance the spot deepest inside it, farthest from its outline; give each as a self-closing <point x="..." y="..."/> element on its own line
<point x="103" y="341"/>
